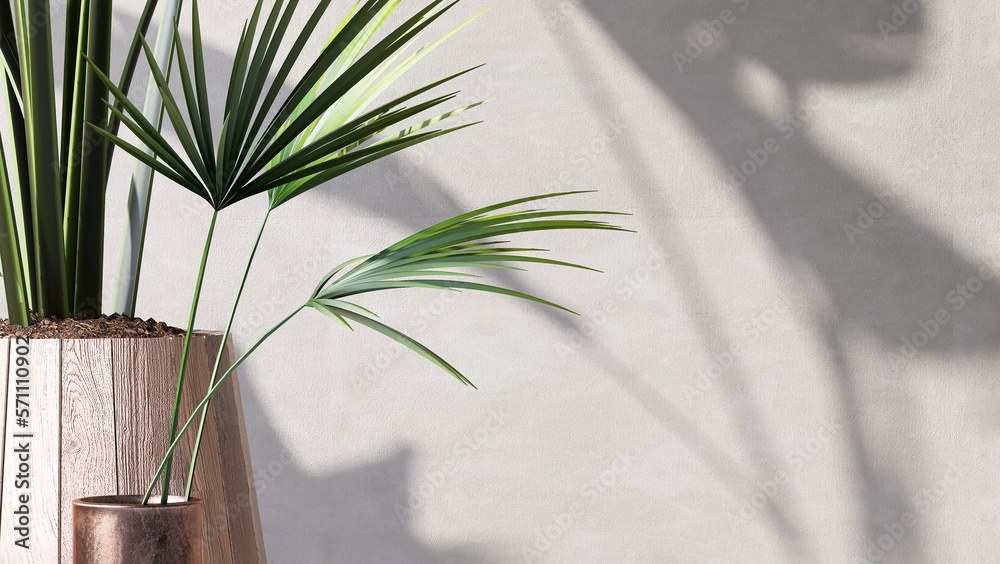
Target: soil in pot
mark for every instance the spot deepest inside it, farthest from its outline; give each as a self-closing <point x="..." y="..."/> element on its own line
<point x="82" y="327"/>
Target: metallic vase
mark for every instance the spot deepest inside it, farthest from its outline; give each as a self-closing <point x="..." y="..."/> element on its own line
<point x="118" y="529"/>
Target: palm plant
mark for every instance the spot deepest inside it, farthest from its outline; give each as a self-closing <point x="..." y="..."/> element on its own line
<point x="427" y="259"/>
<point x="333" y="121"/>
<point x="323" y="129"/>
<point x="54" y="177"/>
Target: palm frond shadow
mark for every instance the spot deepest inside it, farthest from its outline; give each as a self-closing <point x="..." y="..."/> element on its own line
<point x="345" y="516"/>
<point x="882" y="284"/>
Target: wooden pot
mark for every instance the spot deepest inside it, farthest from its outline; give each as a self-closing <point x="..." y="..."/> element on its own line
<point x="96" y="425"/>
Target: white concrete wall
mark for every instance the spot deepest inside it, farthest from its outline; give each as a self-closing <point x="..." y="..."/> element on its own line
<point x="787" y="366"/>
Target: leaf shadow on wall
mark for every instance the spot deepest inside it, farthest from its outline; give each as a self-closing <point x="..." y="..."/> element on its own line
<point x="355" y="515"/>
<point x="881" y="280"/>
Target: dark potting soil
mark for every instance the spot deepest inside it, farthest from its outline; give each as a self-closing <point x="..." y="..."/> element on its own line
<point x="81" y="327"/>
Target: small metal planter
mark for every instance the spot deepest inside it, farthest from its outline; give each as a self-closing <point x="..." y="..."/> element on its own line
<point x="118" y="529"/>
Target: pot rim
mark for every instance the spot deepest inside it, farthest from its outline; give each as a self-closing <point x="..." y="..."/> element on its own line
<point x="133" y="502"/>
<point x="194" y="333"/>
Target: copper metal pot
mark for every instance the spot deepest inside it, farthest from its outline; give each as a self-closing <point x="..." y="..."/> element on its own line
<point x="118" y="529"/>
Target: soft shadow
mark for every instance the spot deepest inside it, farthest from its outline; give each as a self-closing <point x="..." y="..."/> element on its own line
<point x="895" y="274"/>
<point x="410" y="197"/>
<point x="351" y="515"/>
<point x="884" y="279"/>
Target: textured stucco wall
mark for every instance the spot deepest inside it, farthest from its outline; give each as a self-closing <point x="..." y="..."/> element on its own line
<point x="790" y="362"/>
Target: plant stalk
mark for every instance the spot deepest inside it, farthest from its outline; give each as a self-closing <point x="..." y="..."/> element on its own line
<point x="132" y="61"/>
<point x="74" y="130"/>
<point x="88" y="254"/>
<point x="38" y="91"/>
<point x="218" y="358"/>
<point x="168" y="460"/>
<point x="71" y="61"/>
<point x="208" y="397"/>
<point x="18" y="171"/>
<point x="10" y="253"/>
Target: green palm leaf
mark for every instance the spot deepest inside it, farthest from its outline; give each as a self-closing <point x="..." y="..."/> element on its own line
<point x="321" y="130"/>
<point x="466" y="241"/>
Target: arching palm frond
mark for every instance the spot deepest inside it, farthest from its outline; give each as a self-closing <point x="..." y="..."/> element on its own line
<point x="427" y="260"/>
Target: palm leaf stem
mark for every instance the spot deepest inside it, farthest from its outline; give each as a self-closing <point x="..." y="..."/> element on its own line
<point x="161" y="471"/>
<point x="219" y="355"/>
<point x="168" y="460"/>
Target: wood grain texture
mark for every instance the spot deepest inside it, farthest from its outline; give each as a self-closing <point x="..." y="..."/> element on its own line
<point x="46" y="466"/>
<point x="209" y="484"/>
<point x="146" y="381"/>
<point x="224" y="477"/>
<point x="44" y="447"/>
<point x="241" y="493"/>
<point x="89" y="461"/>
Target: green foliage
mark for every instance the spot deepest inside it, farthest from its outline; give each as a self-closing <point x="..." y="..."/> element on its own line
<point x="328" y="125"/>
<point x="426" y="259"/>
<point x="335" y="119"/>
<point x="54" y="176"/>
<point x="323" y="129"/>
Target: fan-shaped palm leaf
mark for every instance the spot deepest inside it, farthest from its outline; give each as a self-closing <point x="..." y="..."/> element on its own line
<point x="320" y="131"/>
